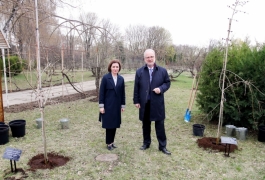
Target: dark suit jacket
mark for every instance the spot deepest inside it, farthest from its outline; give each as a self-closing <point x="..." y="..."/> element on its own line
<point x="143" y="87"/>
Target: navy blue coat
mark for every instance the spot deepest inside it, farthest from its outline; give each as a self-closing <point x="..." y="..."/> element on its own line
<point x="142" y="86"/>
<point x="113" y="97"/>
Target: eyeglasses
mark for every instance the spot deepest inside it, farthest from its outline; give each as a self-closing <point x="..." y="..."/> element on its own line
<point x="149" y="57"/>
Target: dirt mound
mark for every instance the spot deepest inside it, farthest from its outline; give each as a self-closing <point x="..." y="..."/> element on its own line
<point x="210" y="143"/>
<point x="54" y="160"/>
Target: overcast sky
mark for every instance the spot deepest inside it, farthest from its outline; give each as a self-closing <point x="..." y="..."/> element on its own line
<point x="193" y="22"/>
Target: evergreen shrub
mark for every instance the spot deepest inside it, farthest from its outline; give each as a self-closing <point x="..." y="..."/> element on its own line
<point x="244" y="104"/>
<point x="15" y="65"/>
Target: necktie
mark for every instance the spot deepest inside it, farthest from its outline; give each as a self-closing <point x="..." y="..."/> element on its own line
<point x="150" y="73"/>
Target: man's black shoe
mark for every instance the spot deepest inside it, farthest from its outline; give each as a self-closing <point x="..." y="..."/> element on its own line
<point x="144" y="147"/>
<point x="165" y="151"/>
<point x="114" y="146"/>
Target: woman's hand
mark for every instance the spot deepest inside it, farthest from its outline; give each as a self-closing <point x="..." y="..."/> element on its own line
<point x="137" y="106"/>
<point x="102" y="110"/>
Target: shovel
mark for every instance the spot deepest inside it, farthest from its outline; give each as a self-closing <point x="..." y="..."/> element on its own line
<point x="187" y="116"/>
<point x="191" y="93"/>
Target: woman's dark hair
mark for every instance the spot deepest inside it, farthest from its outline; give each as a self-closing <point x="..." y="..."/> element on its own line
<point x="114" y="61"/>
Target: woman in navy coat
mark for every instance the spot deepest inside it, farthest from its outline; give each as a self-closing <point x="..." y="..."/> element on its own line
<point x="111" y="101"/>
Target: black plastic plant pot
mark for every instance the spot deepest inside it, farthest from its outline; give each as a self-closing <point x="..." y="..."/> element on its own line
<point x="4" y="134"/>
<point x="17" y="127"/>
<point x="261" y="134"/>
<point x="198" y="129"/>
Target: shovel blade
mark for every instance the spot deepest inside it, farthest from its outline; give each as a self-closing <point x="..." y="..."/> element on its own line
<point x="187" y="111"/>
<point x="187" y="116"/>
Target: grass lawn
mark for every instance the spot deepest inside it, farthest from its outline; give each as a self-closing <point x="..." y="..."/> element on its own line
<point x="85" y="139"/>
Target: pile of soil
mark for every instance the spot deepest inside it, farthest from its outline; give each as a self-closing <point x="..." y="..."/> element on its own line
<point x="38" y="162"/>
<point x="54" y="160"/>
<point x="66" y="98"/>
<point x="210" y="143"/>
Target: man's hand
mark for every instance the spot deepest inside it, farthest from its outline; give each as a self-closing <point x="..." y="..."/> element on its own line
<point x="157" y="90"/>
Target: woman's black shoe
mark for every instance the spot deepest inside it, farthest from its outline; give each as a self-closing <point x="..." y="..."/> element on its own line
<point x="109" y="147"/>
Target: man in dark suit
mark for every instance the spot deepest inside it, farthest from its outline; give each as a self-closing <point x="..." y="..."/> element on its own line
<point x="151" y="82"/>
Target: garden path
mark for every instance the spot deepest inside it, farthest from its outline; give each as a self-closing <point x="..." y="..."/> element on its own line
<point x="24" y="100"/>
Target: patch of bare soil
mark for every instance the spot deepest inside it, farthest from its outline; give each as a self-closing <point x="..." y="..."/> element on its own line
<point x="54" y="160"/>
<point x="66" y="98"/>
<point x="38" y="162"/>
<point x="210" y="143"/>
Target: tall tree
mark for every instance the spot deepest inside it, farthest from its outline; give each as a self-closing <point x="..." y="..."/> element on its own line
<point x="88" y="33"/>
<point x="138" y="38"/>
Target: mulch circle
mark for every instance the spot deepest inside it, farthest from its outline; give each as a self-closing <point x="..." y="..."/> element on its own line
<point x="54" y="160"/>
<point x="210" y="143"/>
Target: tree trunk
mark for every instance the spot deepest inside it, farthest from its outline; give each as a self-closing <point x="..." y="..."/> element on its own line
<point x="98" y="69"/>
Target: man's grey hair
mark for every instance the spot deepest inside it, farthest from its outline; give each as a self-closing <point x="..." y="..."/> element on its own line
<point x="147" y="50"/>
